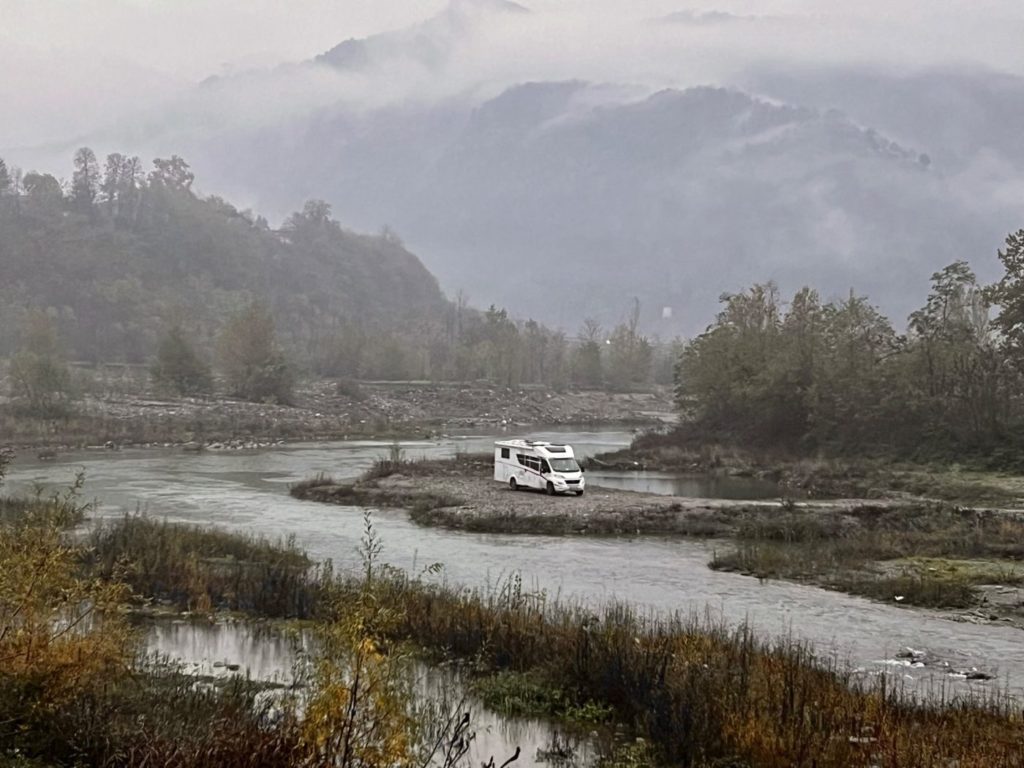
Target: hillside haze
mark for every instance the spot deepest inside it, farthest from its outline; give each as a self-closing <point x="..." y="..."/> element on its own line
<point x="115" y="275"/>
<point x="565" y="198"/>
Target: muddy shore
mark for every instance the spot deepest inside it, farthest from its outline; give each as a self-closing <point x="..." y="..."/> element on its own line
<point x="847" y="477"/>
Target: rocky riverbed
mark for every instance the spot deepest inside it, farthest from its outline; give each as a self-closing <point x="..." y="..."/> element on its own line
<point x="322" y="410"/>
<point x="460" y="494"/>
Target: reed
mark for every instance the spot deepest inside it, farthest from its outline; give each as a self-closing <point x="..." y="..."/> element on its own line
<point x="157" y="717"/>
<point x="701" y="693"/>
<point x="203" y="569"/>
<point x="882" y="553"/>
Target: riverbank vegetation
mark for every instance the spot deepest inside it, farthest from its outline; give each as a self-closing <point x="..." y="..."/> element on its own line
<point x="204" y="570"/>
<point x="699" y="694"/>
<point x="136" y="268"/>
<point x="834" y="477"/>
<point x="806" y="377"/>
<point x="932" y="555"/>
<point x="76" y="688"/>
<point x="704" y="695"/>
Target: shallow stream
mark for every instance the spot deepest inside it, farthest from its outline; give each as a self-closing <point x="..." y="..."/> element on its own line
<point x="249" y="492"/>
<point x="265" y="653"/>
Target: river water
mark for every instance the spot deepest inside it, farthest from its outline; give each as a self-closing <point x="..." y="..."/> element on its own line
<point x="249" y="492"/>
<point x="269" y="654"/>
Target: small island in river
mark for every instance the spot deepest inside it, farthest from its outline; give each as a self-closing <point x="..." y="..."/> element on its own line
<point x="911" y="550"/>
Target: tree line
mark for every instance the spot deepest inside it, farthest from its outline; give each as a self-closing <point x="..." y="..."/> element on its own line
<point x="835" y="376"/>
<point x="121" y="265"/>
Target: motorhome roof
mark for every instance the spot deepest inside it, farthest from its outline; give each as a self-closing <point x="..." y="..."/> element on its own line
<point x="539" y="445"/>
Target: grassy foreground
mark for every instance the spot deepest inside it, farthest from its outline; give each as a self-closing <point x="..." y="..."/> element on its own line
<point x="76" y="689"/>
<point x="705" y="695"/>
<point x="700" y="694"/>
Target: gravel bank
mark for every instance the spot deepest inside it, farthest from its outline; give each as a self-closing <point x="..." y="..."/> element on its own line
<point x="460" y="494"/>
<point x="322" y="410"/>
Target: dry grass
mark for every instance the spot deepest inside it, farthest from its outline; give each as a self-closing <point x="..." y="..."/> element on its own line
<point x="849" y="551"/>
<point x="204" y="569"/>
<point x="703" y="694"/>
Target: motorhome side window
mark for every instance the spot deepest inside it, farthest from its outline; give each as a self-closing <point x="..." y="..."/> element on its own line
<point x="504" y="453"/>
<point x="530" y="462"/>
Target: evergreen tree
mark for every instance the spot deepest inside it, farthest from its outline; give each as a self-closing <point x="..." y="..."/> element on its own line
<point x="85" y="180"/>
<point x="173" y="173"/>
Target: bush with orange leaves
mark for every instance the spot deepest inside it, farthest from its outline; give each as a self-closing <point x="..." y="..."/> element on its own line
<point x="61" y="636"/>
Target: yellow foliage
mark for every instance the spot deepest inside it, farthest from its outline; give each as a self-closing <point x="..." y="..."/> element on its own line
<point x="359" y="709"/>
<point x="60" y="634"/>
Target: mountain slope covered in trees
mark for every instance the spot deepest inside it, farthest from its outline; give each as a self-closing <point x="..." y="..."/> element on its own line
<point x="121" y="266"/>
<point x="568" y="199"/>
<point x="122" y="256"/>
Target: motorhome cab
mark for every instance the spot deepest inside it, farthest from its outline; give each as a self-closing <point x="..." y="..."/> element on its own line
<point x="534" y="464"/>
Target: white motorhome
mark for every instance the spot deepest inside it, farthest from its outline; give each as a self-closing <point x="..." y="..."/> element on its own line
<point x="536" y="464"/>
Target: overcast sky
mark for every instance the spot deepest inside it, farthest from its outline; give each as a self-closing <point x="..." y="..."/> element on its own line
<point x="68" y="65"/>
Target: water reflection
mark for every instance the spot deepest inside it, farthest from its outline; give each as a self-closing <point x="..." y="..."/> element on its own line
<point x="267" y="653"/>
<point x="690" y="486"/>
<point x="257" y="651"/>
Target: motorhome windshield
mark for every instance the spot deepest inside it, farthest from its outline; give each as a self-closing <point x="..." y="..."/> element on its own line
<point x="564" y="465"/>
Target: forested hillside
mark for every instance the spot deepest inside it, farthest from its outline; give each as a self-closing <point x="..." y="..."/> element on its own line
<point x="123" y="264"/>
<point x="118" y="255"/>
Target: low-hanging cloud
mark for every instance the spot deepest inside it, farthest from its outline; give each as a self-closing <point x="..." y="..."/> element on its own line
<point x="80" y="67"/>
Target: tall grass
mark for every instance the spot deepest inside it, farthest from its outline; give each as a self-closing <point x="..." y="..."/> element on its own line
<point x="156" y="717"/>
<point x="63" y="507"/>
<point x="851" y="550"/>
<point x="204" y="569"/>
<point x="704" y="694"/>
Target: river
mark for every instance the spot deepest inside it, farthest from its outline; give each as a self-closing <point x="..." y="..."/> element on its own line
<point x="249" y="492"/>
<point x="270" y="654"/>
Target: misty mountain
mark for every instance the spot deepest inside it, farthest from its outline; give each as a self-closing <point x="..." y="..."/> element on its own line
<point x="564" y="199"/>
<point x="429" y="45"/>
<point x="961" y="115"/>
